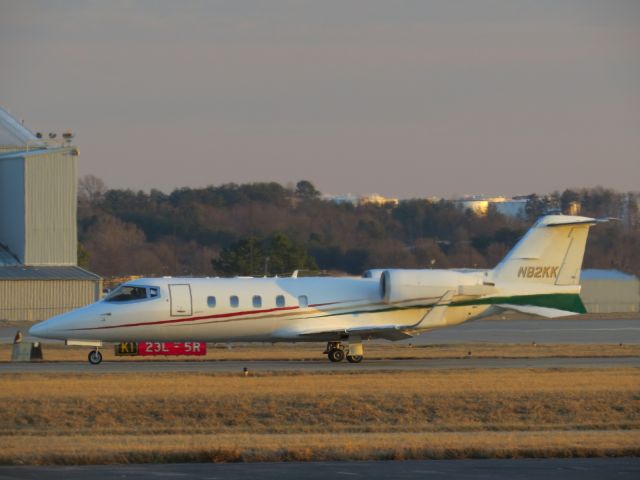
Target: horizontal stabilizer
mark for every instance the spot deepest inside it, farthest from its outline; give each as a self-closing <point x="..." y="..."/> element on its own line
<point x="540" y="311"/>
<point x="588" y="221"/>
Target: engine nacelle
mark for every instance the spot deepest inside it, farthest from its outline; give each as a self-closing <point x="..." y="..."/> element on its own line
<point x="420" y="287"/>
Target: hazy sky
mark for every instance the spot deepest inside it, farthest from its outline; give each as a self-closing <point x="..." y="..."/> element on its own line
<point x="404" y="98"/>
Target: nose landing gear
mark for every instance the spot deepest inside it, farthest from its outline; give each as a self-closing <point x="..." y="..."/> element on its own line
<point x="95" y="357"/>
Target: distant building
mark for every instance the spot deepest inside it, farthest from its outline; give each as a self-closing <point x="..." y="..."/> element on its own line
<point x="39" y="276"/>
<point x="514" y="208"/>
<point x="342" y="199"/>
<point x="479" y="204"/>
<point x="355" y="200"/>
<point x="610" y="291"/>
<point x="574" y="208"/>
<point x="375" y="199"/>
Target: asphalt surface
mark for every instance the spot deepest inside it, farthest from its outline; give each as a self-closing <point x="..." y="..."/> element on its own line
<point x="491" y="331"/>
<point x="234" y="366"/>
<point x="567" y="469"/>
<point x="536" y="330"/>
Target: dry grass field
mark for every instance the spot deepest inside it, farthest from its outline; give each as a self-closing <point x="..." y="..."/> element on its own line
<point x="105" y="449"/>
<point x="313" y="351"/>
<point x="164" y="417"/>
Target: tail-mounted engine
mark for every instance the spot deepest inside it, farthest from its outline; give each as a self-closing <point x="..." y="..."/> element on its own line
<point x="422" y="287"/>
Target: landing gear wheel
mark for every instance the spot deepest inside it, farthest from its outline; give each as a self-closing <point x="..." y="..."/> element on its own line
<point x="354" y="358"/>
<point x="95" y="357"/>
<point x="336" y="355"/>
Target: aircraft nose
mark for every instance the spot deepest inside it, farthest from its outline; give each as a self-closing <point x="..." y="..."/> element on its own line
<point x="59" y="327"/>
<point x="39" y="329"/>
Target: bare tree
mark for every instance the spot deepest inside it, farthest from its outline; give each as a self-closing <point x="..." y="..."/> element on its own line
<point x="91" y="189"/>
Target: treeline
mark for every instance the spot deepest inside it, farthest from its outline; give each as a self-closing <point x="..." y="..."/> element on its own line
<point x="259" y="228"/>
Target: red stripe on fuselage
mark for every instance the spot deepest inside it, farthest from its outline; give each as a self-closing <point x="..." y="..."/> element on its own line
<point x="207" y="317"/>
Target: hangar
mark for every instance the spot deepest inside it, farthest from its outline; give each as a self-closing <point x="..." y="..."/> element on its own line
<point x="610" y="291"/>
<point x="39" y="275"/>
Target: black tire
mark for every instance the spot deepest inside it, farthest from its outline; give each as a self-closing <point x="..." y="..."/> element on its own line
<point x="354" y="358"/>
<point x="95" y="357"/>
<point x="336" y="355"/>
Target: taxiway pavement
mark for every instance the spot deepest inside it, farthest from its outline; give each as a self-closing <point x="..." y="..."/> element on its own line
<point x="544" y="469"/>
<point x="263" y="366"/>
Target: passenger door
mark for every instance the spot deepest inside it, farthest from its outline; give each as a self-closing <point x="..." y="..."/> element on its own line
<point x="180" y="300"/>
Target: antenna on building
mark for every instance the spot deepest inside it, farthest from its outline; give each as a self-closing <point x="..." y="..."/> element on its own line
<point x="68" y="135"/>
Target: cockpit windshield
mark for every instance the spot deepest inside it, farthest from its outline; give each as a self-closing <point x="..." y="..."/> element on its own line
<point x="128" y="293"/>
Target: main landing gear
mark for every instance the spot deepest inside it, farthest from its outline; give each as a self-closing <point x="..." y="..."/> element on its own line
<point x="95" y="357"/>
<point x="336" y="352"/>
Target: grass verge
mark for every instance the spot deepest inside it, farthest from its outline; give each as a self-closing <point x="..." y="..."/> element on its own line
<point x="105" y="449"/>
<point x="165" y="417"/>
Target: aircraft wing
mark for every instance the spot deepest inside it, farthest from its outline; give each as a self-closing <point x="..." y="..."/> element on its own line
<point x="433" y="317"/>
<point x="388" y="332"/>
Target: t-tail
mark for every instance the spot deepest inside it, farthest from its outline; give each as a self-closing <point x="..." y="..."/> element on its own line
<point x="541" y="274"/>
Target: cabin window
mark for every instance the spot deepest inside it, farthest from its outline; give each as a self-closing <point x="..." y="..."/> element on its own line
<point x="154" y="292"/>
<point x="127" y="293"/>
<point x="257" y="301"/>
<point x="233" y="301"/>
<point x="280" y="301"/>
<point x="211" y="302"/>
<point x="303" y="301"/>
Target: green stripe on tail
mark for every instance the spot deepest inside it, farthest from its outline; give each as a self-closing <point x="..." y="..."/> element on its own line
<point x="570" y="302"/>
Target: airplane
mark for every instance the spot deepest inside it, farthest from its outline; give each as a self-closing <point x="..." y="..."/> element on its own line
<point x="540" y="276"/>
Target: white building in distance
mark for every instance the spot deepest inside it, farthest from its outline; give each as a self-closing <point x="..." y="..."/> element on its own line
<point x="479" y="204"/>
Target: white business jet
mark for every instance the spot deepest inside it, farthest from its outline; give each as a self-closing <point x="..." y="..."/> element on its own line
<point x="540" y="275"/>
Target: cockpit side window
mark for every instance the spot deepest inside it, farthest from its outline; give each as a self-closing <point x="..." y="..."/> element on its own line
<point x="128" y="293"/>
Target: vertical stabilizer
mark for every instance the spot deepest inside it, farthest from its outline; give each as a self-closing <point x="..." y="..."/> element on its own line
<point x="550" y="253"/>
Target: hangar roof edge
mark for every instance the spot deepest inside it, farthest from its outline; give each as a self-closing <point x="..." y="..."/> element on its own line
<point x="24" y="272"/>
<point x="14" y="134"/>
<point x="599" y="274"/>
<point x="36" y="151"/>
